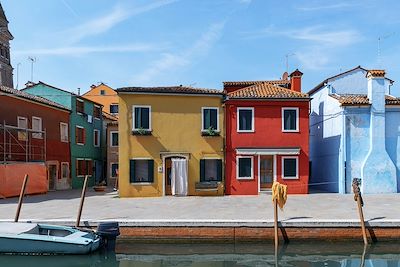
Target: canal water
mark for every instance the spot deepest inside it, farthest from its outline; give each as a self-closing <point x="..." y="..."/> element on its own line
<point x="133" y="254"/>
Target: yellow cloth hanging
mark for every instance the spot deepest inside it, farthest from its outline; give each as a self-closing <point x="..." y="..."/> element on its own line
<point x="279" y="192"/>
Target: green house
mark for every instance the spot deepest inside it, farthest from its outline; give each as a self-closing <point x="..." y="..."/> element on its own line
<point x="85" y="132"/>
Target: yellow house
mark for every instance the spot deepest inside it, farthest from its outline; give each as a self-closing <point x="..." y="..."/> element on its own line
<point x="171" y="141"/>
<point x="105" y="95"/>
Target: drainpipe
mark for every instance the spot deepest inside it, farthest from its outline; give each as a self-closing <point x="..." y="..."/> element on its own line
<point x="342" y="182"/>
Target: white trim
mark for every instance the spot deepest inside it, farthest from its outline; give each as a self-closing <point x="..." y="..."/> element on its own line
<point x="37" y="135"/>
<point x="133" y="117"/>
<point x="143" y="183"/>
<point x="111" y="133"/>
<point x="80" y="100"/>
<point x="94" y="138"/>
<point x="259" y="173"/>
<point x="96" y="106"/>
<point x="252" y="119"/>
<point x="61" y="134"/>
<point x="275" y="168"/>
<point x="69" y="170"/>
<point x="76" y="141"/>
<point x="297" y="167"/>
<point x="114" y="104"/>
<point x="111" y="163"/>
<point x="23" y="118"/>
<point x="165" y="156"/>
<point x="297" y="119"/>
<point x="237" y="168"/>
<point x="268" y="151"/>
<point x="202" y="118"/>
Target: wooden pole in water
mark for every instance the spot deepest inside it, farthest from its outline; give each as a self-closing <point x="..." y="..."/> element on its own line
<point x="276" y="223"/>
<point x="357" y="197"/>
<point x="21" y="197"/>
<point x="78" y="219"/>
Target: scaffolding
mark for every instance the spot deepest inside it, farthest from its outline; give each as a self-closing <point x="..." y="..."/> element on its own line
<point x="22" y="144"/>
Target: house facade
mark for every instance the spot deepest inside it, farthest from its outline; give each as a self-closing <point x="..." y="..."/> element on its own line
<point x="354" y="133"/>
<point x="171" y="141"/>
<point x="266" y="135"/>
<point x="34" y="136"/>
<point x="104" y="95"/>
<point x="112" y="153"/>
<point x="85" y="132"/>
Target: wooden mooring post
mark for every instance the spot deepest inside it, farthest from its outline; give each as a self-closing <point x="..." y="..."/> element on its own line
<point x="78" y="219"/>
<point x="360" y="203"/>
<point x="21" y="198"/>
<point x="276" y="237"/>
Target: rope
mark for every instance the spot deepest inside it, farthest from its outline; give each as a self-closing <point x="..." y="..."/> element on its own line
<point x="279" y="193"/>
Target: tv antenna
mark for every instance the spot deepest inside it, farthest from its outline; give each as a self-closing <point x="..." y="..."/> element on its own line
<point x="33" y="61"/>
<point x="287" y="60"/>
<point x="380" y="39"/>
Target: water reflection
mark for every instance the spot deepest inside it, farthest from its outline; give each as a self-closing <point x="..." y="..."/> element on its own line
<point x="132" y="254"/>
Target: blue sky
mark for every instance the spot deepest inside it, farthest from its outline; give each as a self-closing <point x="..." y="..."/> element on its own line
<point x="199" y="43"/>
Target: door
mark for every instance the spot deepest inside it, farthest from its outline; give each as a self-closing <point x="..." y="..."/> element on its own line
<point x="98" y="171"/>
<point x="266" y="172"/>
<point x="179" y="177"/>
<point x="168" y="165"/>
<point x="52" y="176"/>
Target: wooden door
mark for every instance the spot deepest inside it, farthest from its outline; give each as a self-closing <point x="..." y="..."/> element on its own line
<point x="167" y="173"/>
<point x="266" y="172"/>
<point x="52" y="176"/>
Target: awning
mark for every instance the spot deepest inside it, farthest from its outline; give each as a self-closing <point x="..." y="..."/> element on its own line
<point x="269" y="151"/>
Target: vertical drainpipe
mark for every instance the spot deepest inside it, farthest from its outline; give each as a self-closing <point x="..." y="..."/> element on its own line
<point x="342" y="182"/>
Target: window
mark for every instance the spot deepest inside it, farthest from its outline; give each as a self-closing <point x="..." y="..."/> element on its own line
<point x="141" y="170"/>
<point x="113" y="139"/>
<point x="245" y="119"/>
<point x="97" y="112"/>
<point x="210" y="170"/>
<point x="244" y="167"/>
<point x="290" y="167"/>
<point x="290" y="119"/>
<point x="80" y="135"/>
<point x="114" y="109"/>
<point x="84" y="167"/>
<point x="64" y="132"/>
<point x="37" y="126"/>
<point x="210" y="119"/>
<point x="22" y="122"/>
<point x="64" y="170"/>
<point x="114" y="170"/>
<point x="141" y="118"/>
<point x="102" y="92"/>
<point x="96" y="138"/>
<point x="80" y="106"/>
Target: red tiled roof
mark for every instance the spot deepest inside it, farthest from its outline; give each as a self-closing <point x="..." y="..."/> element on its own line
<point x="249" y="83"/>
<point x="266" y="90"/>
<point x="170" y="90"/>
<point x="356" y="100"/>
<point x="376" y="73"/>
<point x="109" y="116"/>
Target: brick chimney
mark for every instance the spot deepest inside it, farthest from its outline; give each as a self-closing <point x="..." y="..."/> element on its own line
<point x="295" y="80"/>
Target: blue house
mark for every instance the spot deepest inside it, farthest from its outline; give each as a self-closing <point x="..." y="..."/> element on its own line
<point x="355" y="133"/>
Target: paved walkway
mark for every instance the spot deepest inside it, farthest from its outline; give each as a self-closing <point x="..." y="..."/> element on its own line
<point x="306" y="210"/>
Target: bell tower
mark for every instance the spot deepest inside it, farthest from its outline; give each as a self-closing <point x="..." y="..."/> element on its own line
<point x="6" y="70"/>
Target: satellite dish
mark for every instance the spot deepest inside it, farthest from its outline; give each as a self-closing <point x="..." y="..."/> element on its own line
<point x="285" y="76"/>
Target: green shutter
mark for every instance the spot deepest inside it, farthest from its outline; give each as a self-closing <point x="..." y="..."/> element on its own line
<point x="219" y="170"/>
<point x="132" y="171"/>
<point x="202" y="169"/>
<point x="150" y="165"/>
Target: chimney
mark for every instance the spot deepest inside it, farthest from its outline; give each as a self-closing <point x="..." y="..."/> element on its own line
<point x="29" y="84"/>
<point x="378" y="172"/>
<point x="295" y="80"/>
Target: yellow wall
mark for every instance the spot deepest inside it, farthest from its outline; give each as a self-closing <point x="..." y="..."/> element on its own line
<point x="106" y="100"/>
<point x="176" y="127"/>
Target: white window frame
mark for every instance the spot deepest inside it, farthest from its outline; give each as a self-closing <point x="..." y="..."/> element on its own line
<point x="94" y="138"/>
<point x="69" y="170"/>
<point x="96" y="106"/>
<point x="24" y="119"/>
<point x="80" y="100"/>
<point x="111" y="163"/>
<point x="76" y="167"/>
<point x="114" y="104"/>
<point x="61" y="132"/>
<point x="133" y="117"/>
<point x="111" y="134"/>
<point x="37" y="135"/>
<point x="297" y="119"/>
<point x="283" y="167"/>
<point x="252" y="119"/>
<point x="144" y="183"/>
<point x="76" y="141"/>
<point x="252" y="168"/>
<point x="202" y="118"/>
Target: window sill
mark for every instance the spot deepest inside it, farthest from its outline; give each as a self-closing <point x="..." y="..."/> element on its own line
<point x="290" y="131"/>
<point x="244" y="178"/>
<point x="141" y="183"/>
<point x="80" y="144"/>
<point x="245" y="131"/>
<point x="145" y="132"/>
<point x="206" y="133"/>
<point x="290" y="178"/>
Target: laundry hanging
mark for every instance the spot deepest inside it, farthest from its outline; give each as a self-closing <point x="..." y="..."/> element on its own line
<point x="179" y="177"/>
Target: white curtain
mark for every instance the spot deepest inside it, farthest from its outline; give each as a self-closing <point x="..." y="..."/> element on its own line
<point x="179" y="177"/>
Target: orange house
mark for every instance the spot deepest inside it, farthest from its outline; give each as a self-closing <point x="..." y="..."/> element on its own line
<point x="104" y="95"/>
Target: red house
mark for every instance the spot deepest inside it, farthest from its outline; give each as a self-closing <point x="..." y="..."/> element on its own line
<point x="34" y="139"/>
<point x="266" y="135"/>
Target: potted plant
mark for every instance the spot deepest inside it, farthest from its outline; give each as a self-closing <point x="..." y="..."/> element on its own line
<point x="100" y="187"/>
<point x="210" y="131"/>
<point x="141" y="131"/>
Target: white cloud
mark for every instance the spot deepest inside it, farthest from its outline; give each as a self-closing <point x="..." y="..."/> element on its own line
<point x="327" y="7"/>
<point x="174" y="61"/>
<point x="83" y="50"/>
<point x="106" y="22"/>
<point x="70" y="9"/>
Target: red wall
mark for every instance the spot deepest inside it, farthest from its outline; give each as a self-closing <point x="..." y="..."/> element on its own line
<point x="11" y="107"/>
<point x="268" y="133"/>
